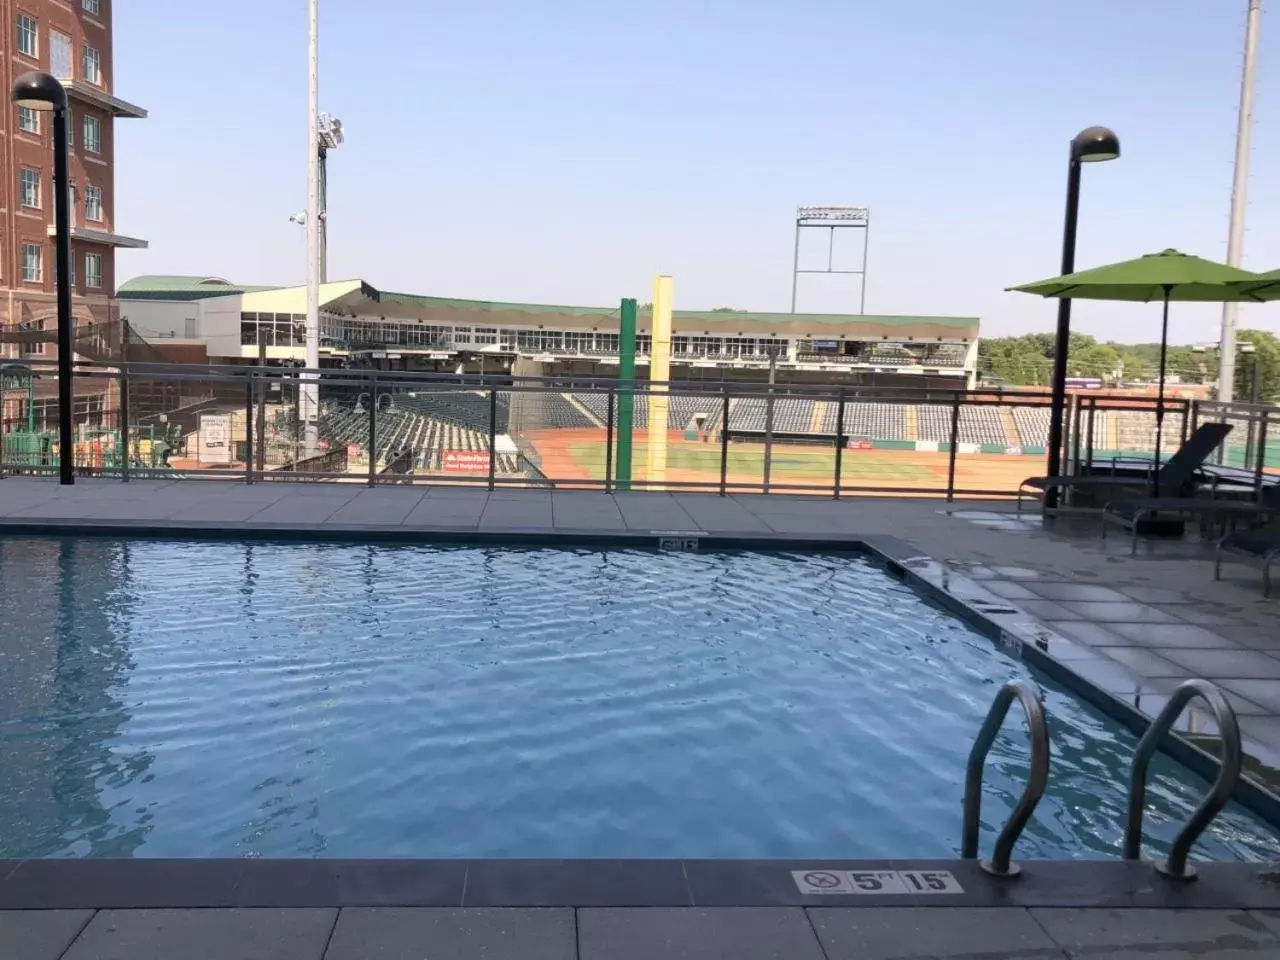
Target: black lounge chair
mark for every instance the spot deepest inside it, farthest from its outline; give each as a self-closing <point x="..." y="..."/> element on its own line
<point x="1207" y="511"/>
<point x="1260" y="547"/>
<point x="1177" y="475"/>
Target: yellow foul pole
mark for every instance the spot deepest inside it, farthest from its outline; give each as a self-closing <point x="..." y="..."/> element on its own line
<point x="659" y="373"/>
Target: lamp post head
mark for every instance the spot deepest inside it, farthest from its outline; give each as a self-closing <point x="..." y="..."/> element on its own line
<point x="38" y="91"/>
<point x="1095" y="144"/>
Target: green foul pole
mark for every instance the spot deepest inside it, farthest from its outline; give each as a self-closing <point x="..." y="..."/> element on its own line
<point x="626" y="389"/>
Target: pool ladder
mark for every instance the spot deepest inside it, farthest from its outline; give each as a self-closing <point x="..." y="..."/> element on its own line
<point x="1175" y="867"/>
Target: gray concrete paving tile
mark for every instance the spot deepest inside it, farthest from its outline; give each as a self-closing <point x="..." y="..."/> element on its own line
<point x="377" y="508"/>
<point x="445" y="512"/>
<point x="692" y="933"/>
<point x="1202" y="614"/>
<point x="218" y="934"/>
<point x="416" y="933"/>
<point x="1264" y="693"/>
<point x="715" y="513"/>
<point x="1108" y="612"/>
<point x="938" y="933"/>
<point x="39" y="934"/>
<point x="517" y="515"/>
<point x="1009" y="590"/>
<point x="577" y="514"/>
<point x="219" y="508"/>
<point x="1047" y="610"/>
<point x="1155" y="595"/>
<point x="1056" y="590"/>
<point x="313" y="510"/>
<point x="1158" y="934"/>
<point x="1147" y="662"/>
<point x="654" y="512"/>
<point x="1170" y="635"/>
<point x="1214" y="664"/>
<point x="1253" y="637"/>
<point x="1090" y="634"/>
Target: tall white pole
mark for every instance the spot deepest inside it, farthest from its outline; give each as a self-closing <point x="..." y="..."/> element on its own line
<point x="311" y="390"/>
<point x="1239" y="199"/>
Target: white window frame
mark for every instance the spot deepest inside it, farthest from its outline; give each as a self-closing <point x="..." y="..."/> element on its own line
<point x="29" y="120"/>
<point x="92" y="142"/>
<point x="96" y="60"/>
<point x="93" y="204"/>
<point x="33" y="326"/>
<point x="27" y="276"/>
<point x="91" y="6"/>
<point x="28" y="33"/>
<point x="26" y="183"/>
<point x="93" y="270"/>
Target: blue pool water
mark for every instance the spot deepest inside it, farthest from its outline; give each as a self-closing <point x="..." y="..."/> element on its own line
<point x="221" y="699"/>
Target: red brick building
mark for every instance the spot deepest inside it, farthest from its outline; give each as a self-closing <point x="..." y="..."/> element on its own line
<point x="72" y="40"/>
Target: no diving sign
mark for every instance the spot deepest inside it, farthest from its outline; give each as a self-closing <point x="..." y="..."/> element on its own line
<point x="875" y="882"/>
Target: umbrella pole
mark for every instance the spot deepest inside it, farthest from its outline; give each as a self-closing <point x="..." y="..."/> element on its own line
<point x="1164" y="349"/>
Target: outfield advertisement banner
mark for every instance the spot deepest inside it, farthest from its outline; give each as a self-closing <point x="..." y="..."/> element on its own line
<point x="465" y="461"/>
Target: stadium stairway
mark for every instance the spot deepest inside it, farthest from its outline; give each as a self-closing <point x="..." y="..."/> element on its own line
<point x="819" y="416"/>
<point x="1010" y="426"/>
<point x="584" y="410"/>
<point x="910" y="416"/>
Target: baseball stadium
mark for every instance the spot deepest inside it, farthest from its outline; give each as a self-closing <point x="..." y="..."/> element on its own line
<point x="442" y="390"/>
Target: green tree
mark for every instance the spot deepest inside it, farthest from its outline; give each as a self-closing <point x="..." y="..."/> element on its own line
<point x="1266" y="359"/>
<point x="724" y="310"/>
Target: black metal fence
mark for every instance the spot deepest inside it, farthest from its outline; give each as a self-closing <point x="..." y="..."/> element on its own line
<point x="367" y="426"/>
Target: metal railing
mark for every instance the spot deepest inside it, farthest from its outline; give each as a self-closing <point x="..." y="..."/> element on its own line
<point x="1001" y="863"/>
<point x="1175" y="866"/>
<point x="725" y="437"/>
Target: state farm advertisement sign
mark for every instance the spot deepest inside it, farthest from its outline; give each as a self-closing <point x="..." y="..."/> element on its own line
<point x="465" y="461"/>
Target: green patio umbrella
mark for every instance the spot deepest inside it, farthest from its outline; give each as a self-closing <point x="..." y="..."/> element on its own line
<point x="1166" y="276"/>
<point x="1263" y="286"/>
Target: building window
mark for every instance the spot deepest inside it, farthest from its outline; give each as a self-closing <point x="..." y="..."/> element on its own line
<point x="32" y="263"/>
<point x="92" y="6"/>
<point x="93" y="270"/>
<point x="28" y="36"/>
<point x="92" y="134"/>
<point x="29" y="181"/>
<point x="33" y="348"/>
<point x="61" y="57"/>
<point x="28" y="120"/>
<point x="91" y="65"/>
<point x="93" y="203"/>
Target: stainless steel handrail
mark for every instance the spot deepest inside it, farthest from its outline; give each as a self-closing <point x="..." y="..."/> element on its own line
<point x="1000" y="864"/>
<point x="1231" y="760"/>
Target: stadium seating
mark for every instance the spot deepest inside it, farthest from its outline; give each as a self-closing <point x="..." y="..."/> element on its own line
<point x="1032" y="424"/>
<point x="875" y="421"/>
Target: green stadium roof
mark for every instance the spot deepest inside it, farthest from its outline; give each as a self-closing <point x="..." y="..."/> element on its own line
<point x="171" y="287"/>
<point x="357" y="297"/>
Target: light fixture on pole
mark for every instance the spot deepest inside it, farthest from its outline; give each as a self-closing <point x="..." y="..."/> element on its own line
<point x="329" y="136"/>
<point x="41" y="91"/>
<point x="309" y="394"/>
<point x="1091" y="145"/>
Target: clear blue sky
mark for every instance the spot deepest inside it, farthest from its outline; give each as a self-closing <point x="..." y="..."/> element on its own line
<point x="567" y="150"/>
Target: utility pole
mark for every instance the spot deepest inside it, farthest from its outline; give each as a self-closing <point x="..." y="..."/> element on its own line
<point x="1239" y="199"/>
<point x="309" y="408"/>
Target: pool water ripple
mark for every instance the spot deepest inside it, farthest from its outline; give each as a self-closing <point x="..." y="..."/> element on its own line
<point x="222" y="699"/>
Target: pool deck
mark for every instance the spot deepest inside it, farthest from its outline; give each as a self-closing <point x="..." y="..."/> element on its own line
<point x="1120" y="630"/>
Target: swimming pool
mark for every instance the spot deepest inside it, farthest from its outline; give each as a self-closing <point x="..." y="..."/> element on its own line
<point x="185" y="699"/>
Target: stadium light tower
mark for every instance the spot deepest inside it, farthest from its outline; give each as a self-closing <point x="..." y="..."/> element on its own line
<point x="329" y="137"/>
<point x="831" y="219"/>
<point x="1239" y="199"/>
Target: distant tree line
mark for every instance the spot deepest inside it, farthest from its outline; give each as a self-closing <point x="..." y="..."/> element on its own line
<point x="1028" y="361"/>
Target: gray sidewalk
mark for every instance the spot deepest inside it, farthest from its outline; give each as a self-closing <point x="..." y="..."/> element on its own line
<point x="683" y="933"/>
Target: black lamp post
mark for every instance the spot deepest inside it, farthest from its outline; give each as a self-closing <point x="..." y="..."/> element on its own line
<point x="40" y="91"/>
<point x="1089" y="146"/>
